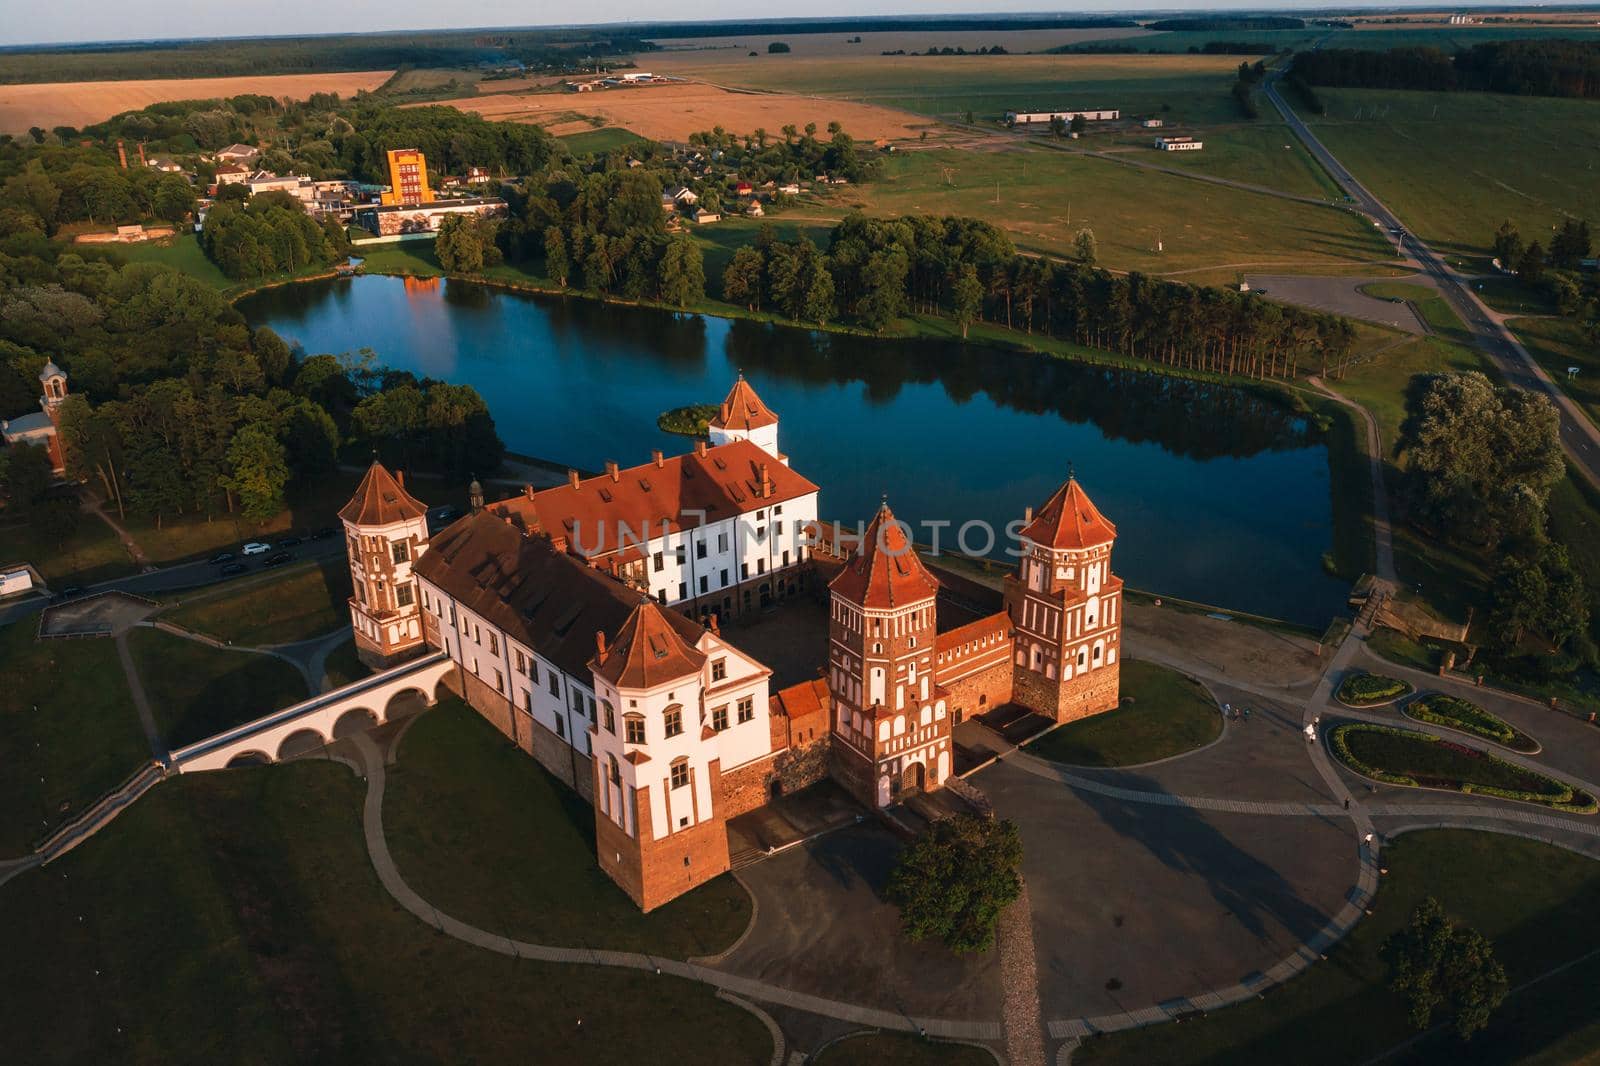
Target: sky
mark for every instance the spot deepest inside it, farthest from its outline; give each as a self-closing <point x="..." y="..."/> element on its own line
<point x="61" y="21"/>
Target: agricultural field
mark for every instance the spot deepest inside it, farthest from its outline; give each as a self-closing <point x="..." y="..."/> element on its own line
<point x="672" y="112"/>
<point x="1044" y="197"/>
<point x="608" y="139"/>
<point x="1426" y="156"/>
<point x="83" y="103"/>
<point x="1256" y="153"/>
<point x="1183" y="88"/>
<point x="706" y="51"/>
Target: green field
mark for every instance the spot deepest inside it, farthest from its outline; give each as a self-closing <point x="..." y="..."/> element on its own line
<point x="283" y="607"/>
<point x="1445" y="38"/>
<point x="196" y="690"/>
<point x="68" y="731"/>
<point x="488" y="836"/>
<point x="606" y="140"/>
<point x="91" y="553"/>
<point x="1453" y="166"/>
<point x="181" y="253"/>
<point x="1539" y="905"/>
<point x="1559" y="344"/>
<point x="1259" y="153"/>
<point x="1163" y="714"/>
<point x="1045" y="197"/>
<point x="234" y="917"/>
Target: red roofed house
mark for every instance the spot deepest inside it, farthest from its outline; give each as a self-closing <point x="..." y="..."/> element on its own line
<point x="595" y="645"/>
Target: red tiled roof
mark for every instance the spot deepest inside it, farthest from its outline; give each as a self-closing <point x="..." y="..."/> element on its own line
<point x="995" y="625"/>
<point x="720" y="482"/>
<point x="885" y="571"/>
<point x="802" y="700"/>
<point x="743" y="409"/>
<point x="381" y="500"/>
<point x="1069" y="519"/>
<point x="649" y="650"/>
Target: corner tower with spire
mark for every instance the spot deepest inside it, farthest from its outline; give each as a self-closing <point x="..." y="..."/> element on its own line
<point x="890" y="726"/>
<point x="385" y="531"/>
<point x="743" y="416"/>
<point x="1066" y="609"/>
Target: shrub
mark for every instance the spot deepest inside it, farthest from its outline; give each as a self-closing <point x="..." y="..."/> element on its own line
<point x="1456" y="713"/>
<point x="1372" y="688"/>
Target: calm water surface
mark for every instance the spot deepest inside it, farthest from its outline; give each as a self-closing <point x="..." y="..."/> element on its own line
<point x="1218" y="494"/>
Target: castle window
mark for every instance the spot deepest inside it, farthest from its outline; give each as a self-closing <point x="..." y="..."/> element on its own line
<point x="719" y="718"/>
<point x="778" y="509"/>
<point x="700" y="549"/>
<point x="520" y="661"/>
<point x="494" y="644"/>
<point x="561" y="727"/>
<point x="658" y="562"/>
<point x="680" y="773"/>
<point x="724" y="579"/>
<point x="719" y="669"/>
<point x="747" y="708"/>
<point x="673" y="720"/>
<point x="633" y="729"/>
<point x="722" y="542"/>
<point x="613" y="771"/>
<point x="683" y="590"/>
<point x="361" y="593"/>
<point x="611" y="717"/>
<point x="661" y="596"/>
<point x="499" y="681"/>
<point x="555" y="685"/>
<point x="401" y="551"/>
<point x="705" y="583"/>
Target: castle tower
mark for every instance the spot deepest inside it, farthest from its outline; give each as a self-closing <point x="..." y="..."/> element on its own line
<point x="743" y="416"/>
<point x="658" y="829"/>
<point x="891" y="732"/>
<point x="54" y="381"/>
<point x="386" y="531"/>
<point x="1066" y="609"/>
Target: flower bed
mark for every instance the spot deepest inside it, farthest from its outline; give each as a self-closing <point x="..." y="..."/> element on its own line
<point x="1418" y="760"/>
<point x="1368" y="690"/>
<point x="1452" y="712"/>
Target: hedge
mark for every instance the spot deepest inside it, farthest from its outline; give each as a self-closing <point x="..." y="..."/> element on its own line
<point x="1457" y="713"/>
<point x="1361" y="689"/>
<point x="1563" y="797"/>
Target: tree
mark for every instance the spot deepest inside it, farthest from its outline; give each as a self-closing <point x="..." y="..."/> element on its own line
<point x="1508" y="245"/>
<point x="741" y="281"/>
<point x="259" y="469"/>
<point x="817" y="305"/>
<point x="967" y="297"/>
<point x="1538" y="591"/>
<point x="682" y="272"/>
<point x="1435" y="964"/>
<point x="555" y="256"/>
<point x="1058" y="125"/>
<point x="1085" y="247"/>
<point x="777" y="48"/>
<point x="1079" y="124"/>
<point x="1530" y="268"/>
<point x="25" y="477"/>
<point x="954" y="880"/>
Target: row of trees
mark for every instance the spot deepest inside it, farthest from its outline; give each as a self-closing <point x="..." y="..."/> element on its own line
<point x="881" y="269"/>
<point x="271" y="234"/>
<point x="1556" y="272"/>
<point x="62" y="186"/>
<point x="799" y="153"/>
<point x="1545" y="67"/>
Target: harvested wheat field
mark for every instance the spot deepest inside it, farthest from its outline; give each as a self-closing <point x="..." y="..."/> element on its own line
<point x="83" y="103"/>
<point x="672" y="112"/>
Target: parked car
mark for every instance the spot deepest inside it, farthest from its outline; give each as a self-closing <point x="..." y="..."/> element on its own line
<point x="234" y="568"/>
<point x="290" y="542"/>
<point x="256" y="547"/>
<point x="222" y="557"/>
<point x="324" y="533"/>
<point x="279" y="559"/>
<point x="70" y="592"/>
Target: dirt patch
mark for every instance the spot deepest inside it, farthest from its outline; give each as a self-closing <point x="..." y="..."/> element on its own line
<point x="82" y="103"/>
<point x="672" y="112"/>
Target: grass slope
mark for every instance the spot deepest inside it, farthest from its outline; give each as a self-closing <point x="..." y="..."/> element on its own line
<point x="482" y="831"/>
<point x="1538" y="904"/>
<point x="196" y="690"/>
<point x="68" y="731"/>
<point x="309" y="601"/>
<point x="1169" y="715"/>
<point x="235" y="917"/>
<point x="1558" y="344"/>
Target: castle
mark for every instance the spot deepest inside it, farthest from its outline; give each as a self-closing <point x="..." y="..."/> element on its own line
<point x="586" y="622"/>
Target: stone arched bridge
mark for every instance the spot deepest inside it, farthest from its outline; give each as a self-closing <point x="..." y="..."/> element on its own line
<point x="322" y="719"/>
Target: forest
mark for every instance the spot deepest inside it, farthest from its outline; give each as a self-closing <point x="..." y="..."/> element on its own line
<point x="1542" y="67"/>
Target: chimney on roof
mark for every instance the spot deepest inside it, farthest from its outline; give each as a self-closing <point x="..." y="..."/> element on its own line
<point x="572" y="477"/>
<point x="713" y="624"/>
<point x="611" y="468"/>
<point x="400" y="477"/>
<point x="527" y="490"/>
<point x="659" y="460"/>
<point x="766" y="482"/>
<point x="600" y="646"/>
<point x="700" y="447"/>
<point x="1027" y="515"/>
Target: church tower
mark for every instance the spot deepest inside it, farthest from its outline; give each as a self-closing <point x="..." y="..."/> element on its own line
<point x="659" y="830"/>
<point x="891" y="730"/>
<point x="1066" y="609"/>
<point x="54" y="380"/>
<point x="386" y="531"/>
<point x="743" y="416"/>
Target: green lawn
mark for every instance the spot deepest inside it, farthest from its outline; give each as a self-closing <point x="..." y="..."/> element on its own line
<point x="182" y="253"/>
<point x="1426" y="156"/>
<point x="1558" y="344"/>
<point x="1169" y="714"/>
<point x="342" y="665"/>
<point x="900" y="1049"/>
<point x="1399" y="648"/>
<point x="279" y="608"/>
<point x="1258" y="153"/>
<point x="1047" y="196"/>
<point x="68" y="731"/>
<point x="234" y="917"/>
<point x="196" y="690"/>
<point x="482" y="831"/>
<point x="406" y="257"/>
<point x="596" y="141"/>
<point x="92" y="553"/>
<point x="1510" y="296"/>
<point x="1538" y="904"/>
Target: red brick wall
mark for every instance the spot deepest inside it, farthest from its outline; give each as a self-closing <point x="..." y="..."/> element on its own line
<point x="853" y="773"/>
<point x="984" y="689"/>
<point x="792" y="769"/>
<point x="553" y="753"/>
<point x="1084" y="695"/>
<point x="653" y="872"/>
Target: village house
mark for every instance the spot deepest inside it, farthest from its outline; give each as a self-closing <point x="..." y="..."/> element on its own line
<point x="1035" y="118"/>
<point x="1179" y="144"/>
<point x="608" y="662"/>
<point x="242" y="154"/>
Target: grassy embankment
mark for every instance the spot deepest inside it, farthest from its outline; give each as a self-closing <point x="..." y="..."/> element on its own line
<point x="1163" y="714"/>
<point x="1539" y="905"/>
<point x="196" y="690"/>
<point x="236" y="918"/>
<point x="279" y="607"/>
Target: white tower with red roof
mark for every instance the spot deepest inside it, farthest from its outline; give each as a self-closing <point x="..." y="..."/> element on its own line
<point x="891" y="729"/>
<point x="1066" y="609"/>
<point x="743" y="416"/>
<point x="386" y="530"/>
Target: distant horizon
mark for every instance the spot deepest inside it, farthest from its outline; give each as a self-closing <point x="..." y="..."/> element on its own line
<point x="59" y="25"/>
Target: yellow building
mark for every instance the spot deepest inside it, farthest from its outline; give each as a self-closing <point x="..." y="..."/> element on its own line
<point x="408" y="179"/>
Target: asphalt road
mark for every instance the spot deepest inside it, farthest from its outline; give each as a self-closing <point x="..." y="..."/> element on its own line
<point x="1579" y="436"/>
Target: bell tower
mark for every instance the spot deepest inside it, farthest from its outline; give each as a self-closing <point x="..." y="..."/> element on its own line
<point x="386" y="531"/>
<point x="1066" y="609"/>
<point x="891" y="730"/>
<point x="743" y="416"/>
<point x="54" y="381"/>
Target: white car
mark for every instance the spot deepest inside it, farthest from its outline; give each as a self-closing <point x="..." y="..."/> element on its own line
<point x="255" y="547"/>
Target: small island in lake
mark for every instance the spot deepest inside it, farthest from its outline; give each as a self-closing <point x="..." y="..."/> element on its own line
<point x="690" y="421"/>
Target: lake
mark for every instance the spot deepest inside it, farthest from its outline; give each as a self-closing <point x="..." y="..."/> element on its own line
<point x="1219" y="494"/>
